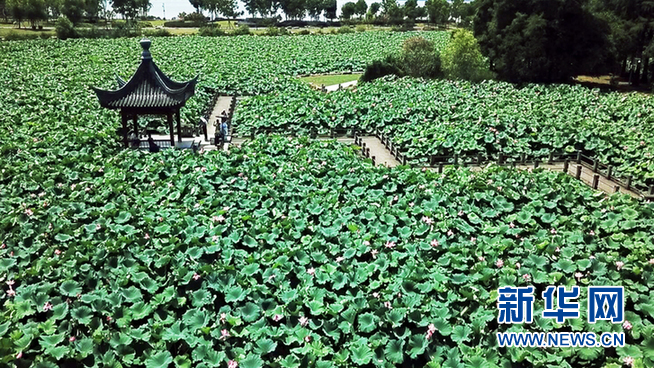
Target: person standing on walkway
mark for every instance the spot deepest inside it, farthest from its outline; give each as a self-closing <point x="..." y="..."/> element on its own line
<point x="224" y="130"/>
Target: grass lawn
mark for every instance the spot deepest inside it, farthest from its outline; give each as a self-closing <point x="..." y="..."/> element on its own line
<point x="329" y="80"/>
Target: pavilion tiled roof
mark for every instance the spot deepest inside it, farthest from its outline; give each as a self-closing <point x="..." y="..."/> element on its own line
<point x="149" y="88"/>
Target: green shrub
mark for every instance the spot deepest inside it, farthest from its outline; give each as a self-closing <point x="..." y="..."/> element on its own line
<point x="144" y="24"/>
<point x="45" y="35"/>
<point x="462" y="58"/>
<point x="272" y="31"/>
<point x="305" y="32"/>
<point x="157" y="33"/>
<point x="391" y="65"/>
<point x="211" y="31"/>
<point x="242" y="31"/>
<point x="16" y="36"/>
<point x="345" y="29"/>
<point x="64" y="28"/>
<point x="183" y="24"/>
<point x="420" y="59"/>
<point x="361" y="28"/>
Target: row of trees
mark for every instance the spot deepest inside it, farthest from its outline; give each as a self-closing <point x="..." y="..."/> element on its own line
<point x="553" y="40"/>
<point x="388" y="11"/>
<point x="75" y="10"/>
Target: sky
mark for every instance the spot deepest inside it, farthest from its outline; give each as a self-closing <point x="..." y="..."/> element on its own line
<point x="174" y="7"/>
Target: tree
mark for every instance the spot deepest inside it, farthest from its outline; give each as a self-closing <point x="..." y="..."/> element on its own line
<point x="631" y="34"/>
<point x="92" y="8"/>
<point x="17" y="10"/>
<point x="392" y="12"/>
<point x="541" y="40"/>
<point x="348" y="10"/>
<point x="35" y="11"/>
<point x="198" y="5"/>
<point x="412" y="11"/>
<point x="361" y="8"/>
<point x="419" y="58"/>
<point x="330" y="7"/>
<point x="374" y="9"/>
<point x="293" y="9"/>
<point x="462" y="58"/>
<point x="130" y="9"/>
<point x="438" y="11"/>
<point x="73" y="10"/>
<point x="3" y="10"/>
<point x="315" y="8"/>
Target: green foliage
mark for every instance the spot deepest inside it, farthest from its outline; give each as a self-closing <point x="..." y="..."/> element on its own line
<point x="348" y="10"/>
<point x="65" y="29"/>
<point x="438" y="11"/>
<point x="242" y="30"/>
<point x="541" y="41"/>
<point x="345" y="30"/>
<point x="462" y="59"/>
<point x="420" y="59"/>
<point x="158" y="300"/>
<point x="211" y="31"/>
<point x="157" y="33"/>
<point x="391" y="65"/>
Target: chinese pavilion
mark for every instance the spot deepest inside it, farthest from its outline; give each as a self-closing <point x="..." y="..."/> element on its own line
<point x="148" y="92"/>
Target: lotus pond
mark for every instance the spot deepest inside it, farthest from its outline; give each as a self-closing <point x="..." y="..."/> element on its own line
<point x="454" y="117"/>
<point x="289" y="253"/>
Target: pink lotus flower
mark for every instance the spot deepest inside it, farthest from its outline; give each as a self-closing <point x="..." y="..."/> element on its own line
<point x="204" y="169"/>
<point x="10" y="283"/>
<point x="366" y="243"/>
<point x="196" y="276"/>
<point x="434" y="243"/>
<point x="19" y="355"/>
<point x="591" y="233"/>
<point x="591" y="257"/>
<point x="339" y="259"/>
<point x="526" y="277"/>
<point x="578" y="276"/>
<point x="57" y="252"/>
<point x="224" y="334"/>
<point x="11" y="292"/>
<point x="411" y="204"/>
<point x="374" y="253"/>
<point x="147" y="236"/>
<point x="512" y="225"/>
<point x="72" y="339"/>
<point x="98" y="226"/>
<point x="499" y="263"/>
<point x="223" y="316"/>
<point x="557" y="250"/>
<point x="651" y="261"/>
<point x="388" y="305"/>
<point x="307" y="338"/>
<point x="628" y="361"/>
<point x="29" y="212"/>
<point x="390" y="244"/>
<point x="232" y="364"/>
<point x="473" y="239"/>
<point x="277" y="317"/>
<point x="431" y="328"/>
<point x="481" y="258"/>
<point x="47" y="306"/>
<point x="627" y="325"/>
<point x="553" y="231"/>
<point x="427" y="220"/>
<point x="304" y="321"/>
<point x="3" y="246"/>
<point x="375" y="295"/>
<point x="460" y="213"/>
<point x="619" y="265"/>
<point x="311" y="271"/>
<point x="450" y="232"/>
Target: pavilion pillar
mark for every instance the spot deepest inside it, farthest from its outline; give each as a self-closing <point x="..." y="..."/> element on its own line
<point x="123" y="118"/>
<point x="169" y="117"/>
<point x="136" y="125"/>
<point x="179" y="126"/>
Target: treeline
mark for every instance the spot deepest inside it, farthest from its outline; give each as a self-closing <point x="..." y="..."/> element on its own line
<point x="554" y="40"/>
<point x="36" y="11"/>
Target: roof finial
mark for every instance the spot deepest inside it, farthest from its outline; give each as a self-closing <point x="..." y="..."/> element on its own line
<point x="145" y="43"/>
